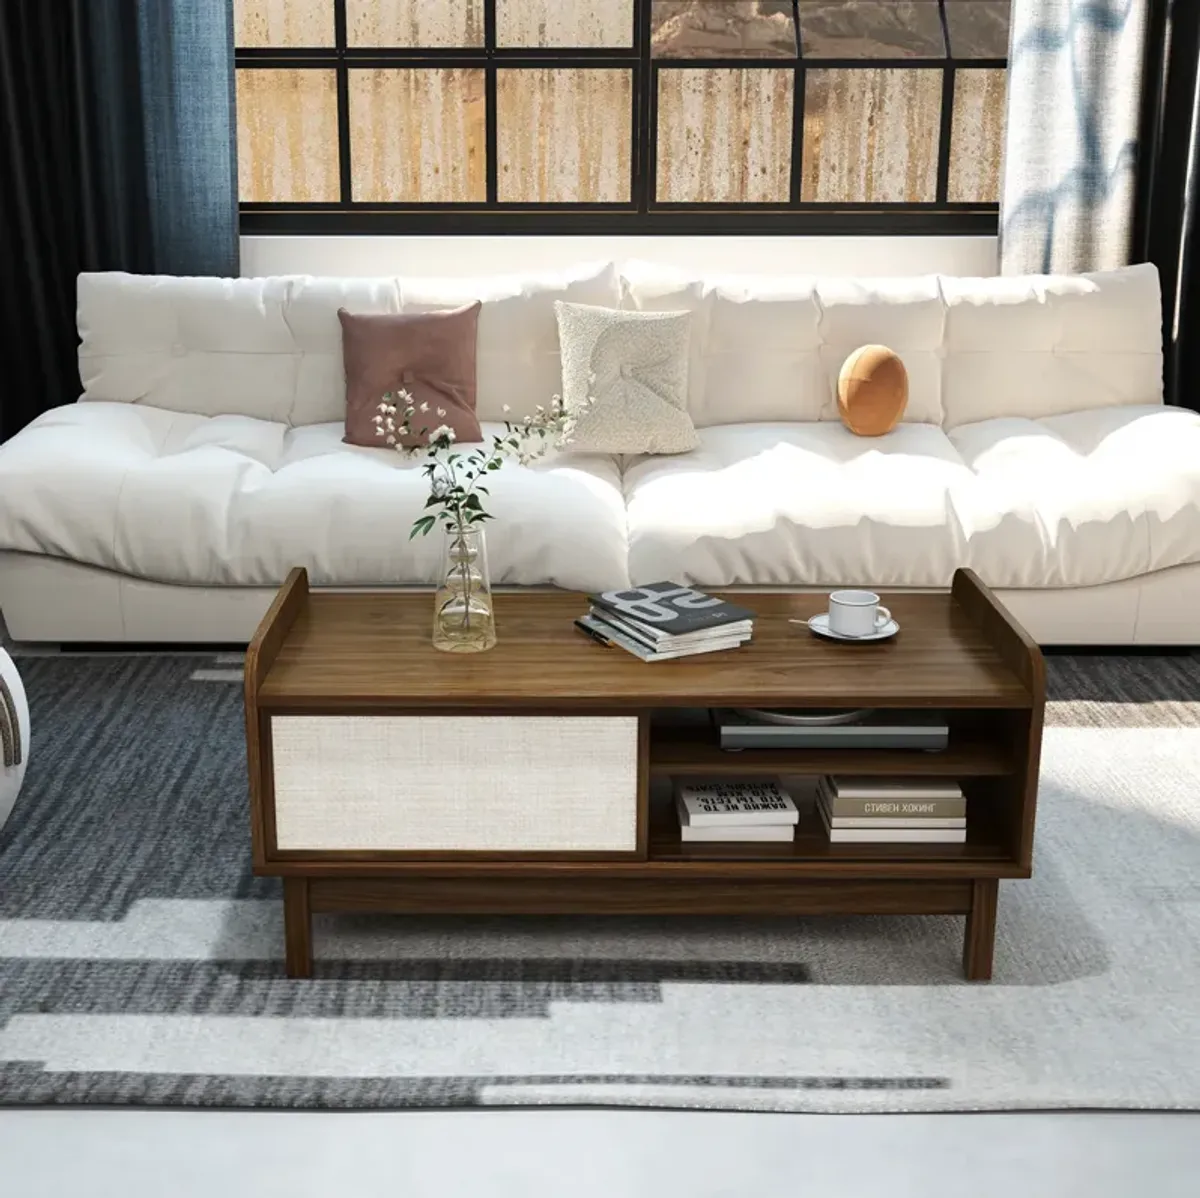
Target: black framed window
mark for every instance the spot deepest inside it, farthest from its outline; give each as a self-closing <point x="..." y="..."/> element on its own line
<point x="610" y="116"/>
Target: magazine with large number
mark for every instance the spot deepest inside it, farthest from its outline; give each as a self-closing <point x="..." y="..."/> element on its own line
<point x="606" y="634"/>
<point x="669" y="609"/>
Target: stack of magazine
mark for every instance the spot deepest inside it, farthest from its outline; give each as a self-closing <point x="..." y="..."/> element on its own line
<point x="898" y="810"/>
<point x="733" y="811"/>
<point x="663" y="620"/>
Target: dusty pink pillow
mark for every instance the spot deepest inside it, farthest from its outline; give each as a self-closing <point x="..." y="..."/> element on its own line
<point x="429" y="354"/>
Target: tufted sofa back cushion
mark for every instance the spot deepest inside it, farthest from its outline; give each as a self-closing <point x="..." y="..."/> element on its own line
<point x="763" y="349"/>
<point x="769" y="348"/>
<point x="1046" y="345"/>
<point x="272" y="348"/>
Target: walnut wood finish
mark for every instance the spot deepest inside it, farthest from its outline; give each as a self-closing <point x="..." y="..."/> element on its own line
<point x="681" y="894"/>
<point x="344" y="652"/>
<point x="685" y="755"/>
<point x="959" y="651"/>
<point x="980" y="939"/>
<point x="274" y="627"/>
<point x="297" y="927"/>
<point x="1024" y="728"/>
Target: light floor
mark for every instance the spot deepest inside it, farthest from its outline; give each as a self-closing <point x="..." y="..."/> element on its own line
<point x="617" y="1154"/>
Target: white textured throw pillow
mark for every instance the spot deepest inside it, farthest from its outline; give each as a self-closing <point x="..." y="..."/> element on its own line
<point x="634" y="365"/>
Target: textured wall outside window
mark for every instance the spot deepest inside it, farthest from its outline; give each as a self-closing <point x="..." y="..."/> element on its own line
<point x="635" y="107"/>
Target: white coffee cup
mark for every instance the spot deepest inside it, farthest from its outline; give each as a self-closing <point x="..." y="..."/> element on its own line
<point x="857" y="613"/>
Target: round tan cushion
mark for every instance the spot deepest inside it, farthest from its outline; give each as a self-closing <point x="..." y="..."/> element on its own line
<point x="872" y="391"/>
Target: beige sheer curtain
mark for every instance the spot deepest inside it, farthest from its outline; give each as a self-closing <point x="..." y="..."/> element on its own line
<point x="1071" y="142"/>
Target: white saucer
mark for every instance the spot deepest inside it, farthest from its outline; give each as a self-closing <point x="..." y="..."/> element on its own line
<point x="820" y="625"/>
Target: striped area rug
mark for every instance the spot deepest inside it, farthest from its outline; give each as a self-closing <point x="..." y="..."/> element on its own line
<point x="140" y="960"/>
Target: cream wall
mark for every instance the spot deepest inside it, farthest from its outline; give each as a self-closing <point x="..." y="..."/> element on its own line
<point x="462" y="255"/>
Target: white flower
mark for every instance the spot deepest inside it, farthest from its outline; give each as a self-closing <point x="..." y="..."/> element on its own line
<point x="390" y="440"/>
<point x="424" y="407"/>
<point x="442" y="432"/>
<point x="376" y="419"/>
<point x="379" y="430"/>
<point x="505" y="408"/>
<point x="439" y="488"/>
<point x="442" y="413"/>
<point x="383" y="407"/>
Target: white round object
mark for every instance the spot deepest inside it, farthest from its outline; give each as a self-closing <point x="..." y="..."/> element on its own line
<point x="11" y="776"/>
<point x="820" y="625"/>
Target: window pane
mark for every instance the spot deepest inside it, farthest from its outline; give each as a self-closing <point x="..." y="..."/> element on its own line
<point x="724" y="135"/>
<point x="563" y="135"/>
<point x="871" y="136"/>
<point x="283" y="22"/>
<point x="978" y="28"/>
<point x="570" y="23"/>
<point x="977" y="138"/>
<point x="287" y="133"/>
<point x="420" y="23"/>
<point x="417" y="136"/>
<point x="707" y="28"/>
<point x="871" y="29"/>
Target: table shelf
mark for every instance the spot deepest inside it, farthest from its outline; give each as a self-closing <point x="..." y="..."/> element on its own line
<point x="695" y="753"/>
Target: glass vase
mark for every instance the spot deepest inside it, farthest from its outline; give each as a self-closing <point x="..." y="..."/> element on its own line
<point x="463" y="621"/>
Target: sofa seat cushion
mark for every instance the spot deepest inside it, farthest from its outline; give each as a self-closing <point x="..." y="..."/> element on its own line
<point x="800" y="504"/>
<point x="1083" y="498"/>
<point x="1079" y="499"/>
<point x="231" y="500"/>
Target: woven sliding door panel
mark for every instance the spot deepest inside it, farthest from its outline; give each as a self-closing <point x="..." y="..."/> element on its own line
<point x="456" y="783"/>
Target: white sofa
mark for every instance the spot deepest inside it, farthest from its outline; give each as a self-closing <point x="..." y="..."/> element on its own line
<point x="204" y="458"/>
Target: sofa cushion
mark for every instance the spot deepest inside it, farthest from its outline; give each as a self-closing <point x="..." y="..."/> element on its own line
<point x="272" y="348"/>
<point x="230" y="500"/>
<point x="768" y="349"/>
<point x="1041" y="346"/>
<point x="907" y="315"/>
<point x="1083" y="498"/>
<point x="625" y="379"/>
<point x="428" y="355"/>
<point x="799" y="504"/>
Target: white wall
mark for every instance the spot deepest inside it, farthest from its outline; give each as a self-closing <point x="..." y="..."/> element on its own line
<point x="441" y="256"/>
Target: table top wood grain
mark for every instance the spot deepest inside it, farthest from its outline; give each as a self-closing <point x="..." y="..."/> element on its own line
<point x="347" y="651"/>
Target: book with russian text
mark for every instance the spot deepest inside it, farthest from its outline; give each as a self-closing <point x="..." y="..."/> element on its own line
<point x="887" y="821"/>
<point x="670" y="609"/>
<point x="844" y="786"/>
<point x="893" y="835"/>
<point x="949" y="807"/>
<point x="733" y="804"/>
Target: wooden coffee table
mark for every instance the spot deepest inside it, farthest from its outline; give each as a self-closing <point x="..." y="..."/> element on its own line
<point x="387" y="776"/>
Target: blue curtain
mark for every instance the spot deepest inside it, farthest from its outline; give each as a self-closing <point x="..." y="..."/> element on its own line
<point x="185" y="54"/>
<point x="1070" y="184"/>
<point x="117" y="152"/>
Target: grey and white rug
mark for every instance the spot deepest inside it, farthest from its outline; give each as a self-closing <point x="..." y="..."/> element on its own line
<point x="140" y="960"/>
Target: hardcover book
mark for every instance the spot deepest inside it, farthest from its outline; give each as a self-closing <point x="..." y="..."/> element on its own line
<point x="734" y="804"/>
<point x="893" y="835"/>
<point x="670" y="609"/>
<point x="893" y="789"/>
<point x="893" y="809"/>
<point x="747" y="832"/>
<point x="887" y="821"/>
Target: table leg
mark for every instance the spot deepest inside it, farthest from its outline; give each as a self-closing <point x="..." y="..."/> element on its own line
<point x="980" y="939"/>
<point x="297" y="928"/>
